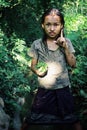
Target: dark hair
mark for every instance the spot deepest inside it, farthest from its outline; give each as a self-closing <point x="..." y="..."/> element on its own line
<point x="55" y="12"/>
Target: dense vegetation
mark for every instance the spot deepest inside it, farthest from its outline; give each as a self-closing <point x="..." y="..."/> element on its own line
<point x="19" y="26"/>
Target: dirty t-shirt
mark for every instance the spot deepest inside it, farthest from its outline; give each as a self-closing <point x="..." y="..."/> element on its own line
<point x="57" y="74"/>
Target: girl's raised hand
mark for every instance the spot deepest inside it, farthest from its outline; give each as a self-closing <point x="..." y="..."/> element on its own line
<point x="61" y="41"/>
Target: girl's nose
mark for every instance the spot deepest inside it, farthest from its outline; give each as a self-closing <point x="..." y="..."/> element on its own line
<point x="52" y="27"/>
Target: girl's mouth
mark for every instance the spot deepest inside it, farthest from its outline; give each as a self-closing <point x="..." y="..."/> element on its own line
<point x="52" y="33"/>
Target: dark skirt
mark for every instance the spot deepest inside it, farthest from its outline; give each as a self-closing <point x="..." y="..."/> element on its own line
<point x="52" y="106"/>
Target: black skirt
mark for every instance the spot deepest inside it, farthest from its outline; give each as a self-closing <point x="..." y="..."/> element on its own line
<point x="52" y="106"/>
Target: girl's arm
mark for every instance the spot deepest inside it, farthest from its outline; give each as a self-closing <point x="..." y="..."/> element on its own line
<point x="71" y="60"/>
<point x="61" y="41"/>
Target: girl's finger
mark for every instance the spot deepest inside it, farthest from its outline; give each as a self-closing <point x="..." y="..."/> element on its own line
<point x="61" y="35"/>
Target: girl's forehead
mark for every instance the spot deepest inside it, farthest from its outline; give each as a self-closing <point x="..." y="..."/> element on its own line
<point x="52" y="18"/>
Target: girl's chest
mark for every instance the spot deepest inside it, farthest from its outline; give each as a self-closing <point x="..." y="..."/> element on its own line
<point x="56" y="55"/>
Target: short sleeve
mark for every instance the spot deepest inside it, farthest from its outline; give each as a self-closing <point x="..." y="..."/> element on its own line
<point x="70" y="46"/>
<point x="33" y="51"/>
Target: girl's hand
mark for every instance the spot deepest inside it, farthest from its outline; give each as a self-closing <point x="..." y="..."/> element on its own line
<point x="42" y="69"/>
<point x="41" y="74"/>
<point x="61" y="41"/>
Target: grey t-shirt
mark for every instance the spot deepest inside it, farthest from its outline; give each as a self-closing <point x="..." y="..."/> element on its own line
<point x="57" y="75"/>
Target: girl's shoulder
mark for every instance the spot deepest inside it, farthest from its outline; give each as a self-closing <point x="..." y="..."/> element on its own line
<point x="37" y="41"/>
<point x="70" y="45"/>
<point x="68" y="40"/>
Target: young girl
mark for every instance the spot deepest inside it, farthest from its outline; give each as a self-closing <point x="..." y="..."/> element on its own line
<point x="53" y="102"/>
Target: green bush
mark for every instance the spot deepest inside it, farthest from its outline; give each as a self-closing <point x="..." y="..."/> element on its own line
<point x="13" y="70"/>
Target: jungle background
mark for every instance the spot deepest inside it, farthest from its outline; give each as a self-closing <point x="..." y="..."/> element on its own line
<point x="19" y="27"/>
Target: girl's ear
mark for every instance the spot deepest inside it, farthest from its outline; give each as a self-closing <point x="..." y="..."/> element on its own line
<point x="42" y="26"/>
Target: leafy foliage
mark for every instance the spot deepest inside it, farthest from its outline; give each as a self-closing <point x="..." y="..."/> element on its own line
<point x="20" y="25"/>
<point x="13" y="81"/>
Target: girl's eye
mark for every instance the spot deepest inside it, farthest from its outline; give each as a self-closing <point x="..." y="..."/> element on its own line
<point x="56" y="24"/>
<point x="48" y="24"/>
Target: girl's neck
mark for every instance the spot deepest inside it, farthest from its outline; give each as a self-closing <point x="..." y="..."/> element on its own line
<point x="50" y="41"/>
<point x="52" y="45"/>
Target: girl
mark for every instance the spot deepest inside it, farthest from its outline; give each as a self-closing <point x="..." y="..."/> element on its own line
<point x="53" y="102"/>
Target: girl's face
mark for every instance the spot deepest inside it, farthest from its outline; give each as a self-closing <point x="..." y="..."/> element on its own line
<point x="52" y="26"/>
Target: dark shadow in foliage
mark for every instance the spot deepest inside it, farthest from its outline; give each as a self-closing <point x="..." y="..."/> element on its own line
<point x="23" y="22"/>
